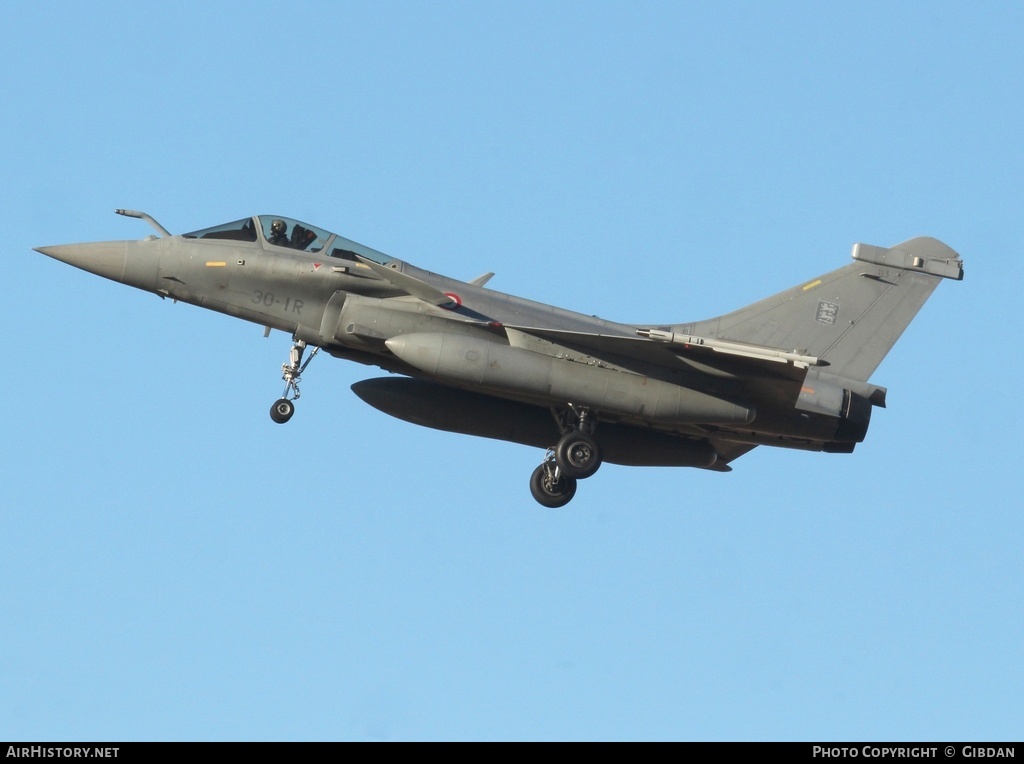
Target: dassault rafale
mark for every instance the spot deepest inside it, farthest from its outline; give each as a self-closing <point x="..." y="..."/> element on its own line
<point x="790" y="370"/>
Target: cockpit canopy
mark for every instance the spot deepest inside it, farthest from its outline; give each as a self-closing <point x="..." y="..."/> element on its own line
<point x="287" y="233"/>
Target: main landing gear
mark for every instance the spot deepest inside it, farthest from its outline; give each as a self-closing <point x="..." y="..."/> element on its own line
<point x="291" y="372"/>
<point x="576" y="456"/>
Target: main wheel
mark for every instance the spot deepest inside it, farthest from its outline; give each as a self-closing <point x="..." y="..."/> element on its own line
<point x="552" y="493"/>
<point x="577" y="455"/>
<point x="282" y="410"/>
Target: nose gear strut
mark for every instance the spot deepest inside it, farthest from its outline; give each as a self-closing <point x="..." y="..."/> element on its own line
<point x="291" y="372"/>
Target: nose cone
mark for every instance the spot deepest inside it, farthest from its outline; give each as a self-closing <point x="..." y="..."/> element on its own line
<point x="104" y="258"/>
<point x="134" y="263"/>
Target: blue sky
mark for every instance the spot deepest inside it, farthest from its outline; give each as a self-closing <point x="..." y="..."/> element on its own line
<point x="175" y="566"/>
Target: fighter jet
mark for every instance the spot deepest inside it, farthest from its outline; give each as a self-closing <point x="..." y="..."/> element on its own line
<point x="790" y="370"/>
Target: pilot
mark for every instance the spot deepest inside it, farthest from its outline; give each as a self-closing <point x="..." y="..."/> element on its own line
<point x="278" y="233"/>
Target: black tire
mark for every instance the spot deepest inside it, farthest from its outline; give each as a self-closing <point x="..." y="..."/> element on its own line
<point x="577" y="455"/>
<point x="551" y="494"/>
<point x="282" y="410"/>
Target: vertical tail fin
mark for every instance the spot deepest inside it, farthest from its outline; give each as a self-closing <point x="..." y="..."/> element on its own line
<point x="850" y="317"/>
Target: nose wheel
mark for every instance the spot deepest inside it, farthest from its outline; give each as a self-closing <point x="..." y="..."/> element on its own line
<point x="282" y="410"/>
<point x="291" y="372"/>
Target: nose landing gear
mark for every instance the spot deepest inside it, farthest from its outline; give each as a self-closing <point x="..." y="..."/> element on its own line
<point x="291" y="372"/>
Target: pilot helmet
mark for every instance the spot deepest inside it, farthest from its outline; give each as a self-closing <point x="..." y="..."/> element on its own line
<point x="278" y="227"/>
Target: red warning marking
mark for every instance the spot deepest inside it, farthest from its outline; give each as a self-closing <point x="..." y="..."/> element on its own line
<point x="316" y="266"/>
<point x="456" y="301"/>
